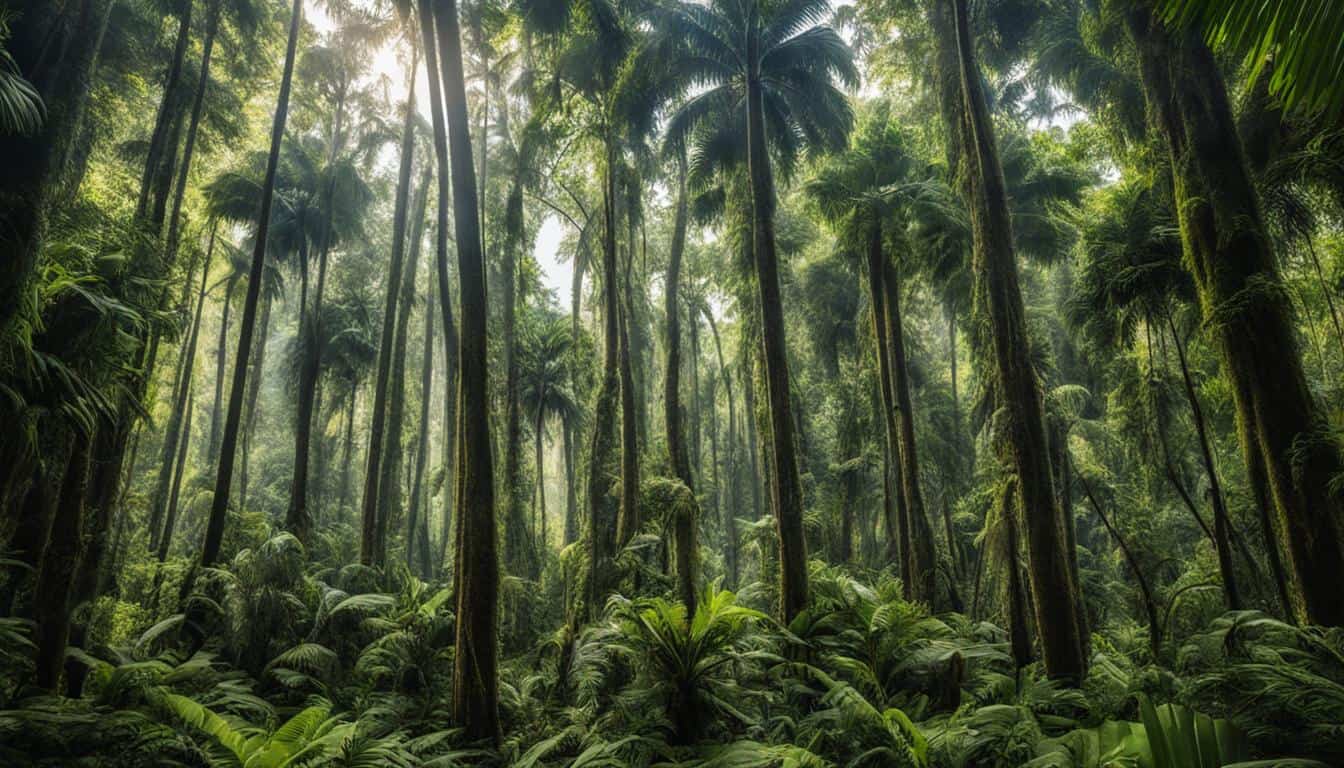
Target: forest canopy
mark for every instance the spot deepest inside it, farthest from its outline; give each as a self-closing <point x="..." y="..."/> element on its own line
<point x="705" y="383"/>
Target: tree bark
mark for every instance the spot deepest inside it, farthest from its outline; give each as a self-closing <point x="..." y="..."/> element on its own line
<point x="994" y="266"/>
<point x="257" y="363"/>
<point x="173" y="431"/>
<point x="221" y="358"/>
<point x="475" y="681"/>
<point x="450" y="336"/>
<point x="59" y="563"/>
<point x="787" y="488"/>
<point x="417" y="528"/>
<point x="601" y="515"/>
<point x="189" y="146"/>
<point x="1229" y="253"/>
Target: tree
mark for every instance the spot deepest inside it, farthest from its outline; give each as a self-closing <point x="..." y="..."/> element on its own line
<point x="546" y="394"/>
<point x="219" y="506"/>
<point x="864" y="192"/>
<point x="371" y="551"/>
<point x="475" y="680"/>
<point x="999" y="298"/>
<point x="1289" y="455"/>
<point x="745" y="53"/>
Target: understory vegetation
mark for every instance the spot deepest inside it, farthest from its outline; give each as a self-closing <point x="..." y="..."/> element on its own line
<point x="654" y="383"/>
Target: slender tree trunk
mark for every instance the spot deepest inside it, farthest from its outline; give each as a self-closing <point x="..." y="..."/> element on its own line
<point x="1019" y="633"/>
<point x="1230" y="255"/>
<point x="787" y="488"/>
<point x="214" y="533"/>
<point x="540" y="431"/>
<point x="159" y="142"/>
<point x="348" y="446"/>
<point x="369" y="549"/>
<point x="475" y="682"/>
<point x="221" y="357"/>
<point x="1222" y="522"/>
<point x="1145" y="592"/>
<point x="189" y="146"/>
<point x="519" y="557"/>
<point x="170" y="520"/>
<point x="450" y="336"/>
<point x="734" y="491"/>
<point x="672" y="417"/>
<point x="417" y="530"/>
<point x="389" y="493"/>
<point x="995" y="267"/>
<point x="173" y="432"/>
<point x="627" y="521"/>
<point x="602" y="516"/>
<point x="571" y="498"/>
<point x="253" y="393"/>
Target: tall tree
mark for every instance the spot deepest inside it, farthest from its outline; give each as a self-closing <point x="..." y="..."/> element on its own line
<point x="1284" y="440"/>
<point x="475" y="676"/>
<point x="219" y="506"/>
<point x="370" y="545"/>
<point x="745" y="53"/>
<point x="999" y="298"/>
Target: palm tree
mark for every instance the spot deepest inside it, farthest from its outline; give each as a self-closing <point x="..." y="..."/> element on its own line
<point x="864" y="192"/>
<point x="780" y="67"/>
<point x="219" y="505"/>
<point x="545" y="393"/>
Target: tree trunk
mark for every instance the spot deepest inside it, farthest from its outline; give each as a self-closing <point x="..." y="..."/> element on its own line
<point x="59" y="563"/>
<point x="787" y="488"/>
<point x="389" y="493"/>
<point x="1222" y="522"/>
<point x="221" y="357"/>
<point x="571" y="498"/>
<point x="253" y="393"/>
<point x="601" y="515"/>
<point x="417" y="529"/>
<point x="214" y="533"/>
<point x="672" y="417"/>
<point x="1229" y="253"/>
<point x="370" y="552"/>
<point x="165" y="538"/>
<point x="1146" y="593"/>
<point x="519" y="556"/>
<point x="995" y="268"/>
<point x="159" y="143"/>
<point x="189" y="146"/>
<point x="627" y="521"/>
<point x="173" y="432"/>
<point x="918" y="566"/>
<point x="475" y="682"/>
<point x="1019" y="634"/>
<point x="450" y="337"/>
<point x="734" y="491"/>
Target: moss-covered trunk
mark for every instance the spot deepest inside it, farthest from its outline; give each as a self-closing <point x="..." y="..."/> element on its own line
<point x="1228" y="251"/>
<point x="1024" y="443"/>
<point x="475" y="680"/>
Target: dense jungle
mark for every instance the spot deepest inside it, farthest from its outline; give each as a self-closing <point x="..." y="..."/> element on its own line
<point x="672" y="383"/>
